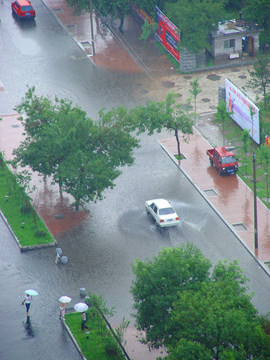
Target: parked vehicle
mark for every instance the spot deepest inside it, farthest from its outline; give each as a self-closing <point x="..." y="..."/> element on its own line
<point x="223" y="159"/>
<point x="162" y="212"/>
<point x="23" y="9"/>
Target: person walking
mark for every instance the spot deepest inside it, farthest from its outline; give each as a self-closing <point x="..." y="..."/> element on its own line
<point x="62" y="310"/>
<point x="84" y="319"/>
<point x="27" y="301"/>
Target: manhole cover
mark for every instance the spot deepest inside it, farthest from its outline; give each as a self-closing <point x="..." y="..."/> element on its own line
<point x="58" y="11"/>
<point x="187" y="77"/>
<point x="242" y="76"/>
<point x="168" y="84"/>
<point x="210" y="192"/>
<point x="71" y="27"/>
<point x="206" y="100"/>
<point x="15" y="126"/>
<point x="235" y="70"/>
<point x="213" y="77"/>
<point x="239" y="227"/>
<point x="212" y="107"/>
<point x="86" y="44"/>
<point x="59" y="216"/>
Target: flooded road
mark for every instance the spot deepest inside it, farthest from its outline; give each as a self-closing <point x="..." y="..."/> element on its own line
<point x="101" y="245"/>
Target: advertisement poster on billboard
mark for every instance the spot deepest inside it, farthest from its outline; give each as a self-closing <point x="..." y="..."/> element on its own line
<point x="167" y="33"/>
<point x="242" y="106"/>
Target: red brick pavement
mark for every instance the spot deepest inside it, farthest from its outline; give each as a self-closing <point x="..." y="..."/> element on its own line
<point x="108" y="51"/>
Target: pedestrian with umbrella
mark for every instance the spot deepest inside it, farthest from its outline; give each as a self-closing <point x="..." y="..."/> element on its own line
<point x="63" y="301"/>
<point x="82" y="307"/>
<point x="28" y="299"/>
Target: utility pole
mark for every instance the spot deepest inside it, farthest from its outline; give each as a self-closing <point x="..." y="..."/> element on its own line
<point x="92" y="30"/>
<point x="255" y="205"/>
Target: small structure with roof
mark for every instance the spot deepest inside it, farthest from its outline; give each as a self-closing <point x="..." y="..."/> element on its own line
<point x="235" y="39"/>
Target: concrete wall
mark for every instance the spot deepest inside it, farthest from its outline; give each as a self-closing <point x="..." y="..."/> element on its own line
<point x="187" y="61"/>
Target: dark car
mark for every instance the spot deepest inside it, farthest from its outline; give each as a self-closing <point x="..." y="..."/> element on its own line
<point x="23" y="9"/>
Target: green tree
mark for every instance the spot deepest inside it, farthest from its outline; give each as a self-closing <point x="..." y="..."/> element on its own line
<point x="260" y="76"/>
<point x="156" y="285"/>
<point x="83" y="157"/>
<point x="223" y="117"/>
<point x="258" y="12"/>
<point x="155" y="116"/>
<point x="218" y="318"/>
<point x="117" y="9"/>
<point x="195" y="20"/>
<point x="195" y="314"/>
<point x="149" y="5"/>
<point x="195" y="91"/>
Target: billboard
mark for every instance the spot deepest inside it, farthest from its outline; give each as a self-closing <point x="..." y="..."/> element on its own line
<point x="167" y="33"/>
<point x="241" y="106"/>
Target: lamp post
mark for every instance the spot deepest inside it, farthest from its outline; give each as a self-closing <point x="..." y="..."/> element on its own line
<point x="255" y="205"/>
<point x="92" y="30"/>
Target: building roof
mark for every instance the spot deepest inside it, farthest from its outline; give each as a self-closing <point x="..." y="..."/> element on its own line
<point x="235" y="27"/>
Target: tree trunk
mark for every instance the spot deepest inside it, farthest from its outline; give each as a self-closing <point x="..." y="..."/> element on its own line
<point x="178" y="142"/>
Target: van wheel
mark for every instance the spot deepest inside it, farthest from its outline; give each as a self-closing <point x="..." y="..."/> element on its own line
<point x="211" y="162"/>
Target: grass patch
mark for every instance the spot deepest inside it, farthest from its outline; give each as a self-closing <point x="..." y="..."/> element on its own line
<point x="19" y="212"/>
<point x="181" y="157"/>
<point x="100" y="337"/>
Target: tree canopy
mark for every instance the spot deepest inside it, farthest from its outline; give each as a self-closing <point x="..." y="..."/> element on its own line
<point x="156" y="286"/>
<point x="195" y="20"/>
<point x="155" y="116"/>
<point x="258" y="12"/>
<point x="196" y="312"/>
<point x="82" y="156"/>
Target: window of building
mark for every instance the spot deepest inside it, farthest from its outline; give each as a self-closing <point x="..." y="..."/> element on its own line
<point x="228" y="44"/>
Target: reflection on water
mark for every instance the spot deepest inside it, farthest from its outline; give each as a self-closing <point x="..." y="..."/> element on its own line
<point x="28" y="327"/>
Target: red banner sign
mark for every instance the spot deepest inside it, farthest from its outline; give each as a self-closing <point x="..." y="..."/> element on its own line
<point x="167" y="33"/>
<point x="267" y="140"/>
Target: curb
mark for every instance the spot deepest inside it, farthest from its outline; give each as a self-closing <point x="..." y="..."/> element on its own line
<point x="261" y="264"/>
<point x="73" y="339"/>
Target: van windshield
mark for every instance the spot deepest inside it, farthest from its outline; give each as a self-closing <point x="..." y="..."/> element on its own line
<point x="228" y="159"/>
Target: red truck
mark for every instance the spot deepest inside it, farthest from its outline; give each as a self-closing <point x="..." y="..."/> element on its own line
<point x="223" y="159"/>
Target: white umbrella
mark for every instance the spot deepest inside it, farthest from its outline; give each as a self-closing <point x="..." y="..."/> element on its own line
<point x="81" y="307"/>
<point x="31" y="292"/>
<point x="65" y="299"/>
